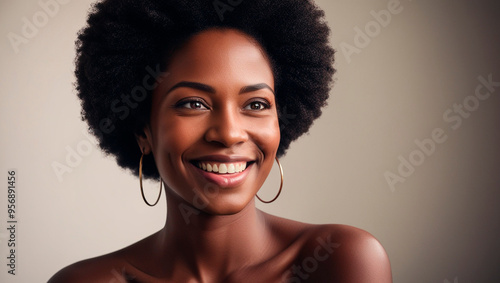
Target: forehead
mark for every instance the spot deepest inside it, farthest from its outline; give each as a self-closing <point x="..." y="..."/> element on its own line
<point x="221" y="54"/>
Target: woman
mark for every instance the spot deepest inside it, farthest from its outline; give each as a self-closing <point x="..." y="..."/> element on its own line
<point x="190" y="93"/>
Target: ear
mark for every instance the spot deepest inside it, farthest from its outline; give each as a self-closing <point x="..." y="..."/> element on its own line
<point x="144" y="140"/>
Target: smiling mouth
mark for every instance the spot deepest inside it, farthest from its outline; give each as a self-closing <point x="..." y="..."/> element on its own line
<point x="222" y="167"/>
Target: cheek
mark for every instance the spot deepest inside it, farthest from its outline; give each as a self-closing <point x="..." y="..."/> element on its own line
<point x="178" y="134"/>
<point x="172" y="139"/>
<point x="266" y="134"/>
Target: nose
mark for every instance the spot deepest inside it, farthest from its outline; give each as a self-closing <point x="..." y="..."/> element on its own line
<point x="226" y="128"/>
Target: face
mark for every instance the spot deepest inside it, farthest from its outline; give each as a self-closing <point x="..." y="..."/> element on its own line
<point x="214" y="129"/>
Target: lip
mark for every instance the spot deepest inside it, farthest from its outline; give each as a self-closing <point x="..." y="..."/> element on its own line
<point x="224" y="180"/>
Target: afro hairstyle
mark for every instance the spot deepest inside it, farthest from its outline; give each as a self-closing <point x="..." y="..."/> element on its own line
<point x="126" y="44"/>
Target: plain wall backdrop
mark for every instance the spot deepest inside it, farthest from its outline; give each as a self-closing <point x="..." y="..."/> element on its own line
<point x="398" y="81"/>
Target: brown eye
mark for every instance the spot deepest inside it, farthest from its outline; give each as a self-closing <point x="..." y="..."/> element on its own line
<point x="191" y="104"/>
<point x="195" y="105"/>
<point x="257" y="105"/>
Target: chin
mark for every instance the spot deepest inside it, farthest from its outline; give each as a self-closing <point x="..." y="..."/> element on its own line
<point x="230" y="206"/>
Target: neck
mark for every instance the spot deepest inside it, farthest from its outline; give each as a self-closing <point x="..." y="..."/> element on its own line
<point x="212" y="243"/>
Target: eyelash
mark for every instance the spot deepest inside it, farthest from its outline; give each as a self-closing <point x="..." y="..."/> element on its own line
<point x="181" y="104"/>
<point x="265" y="105"/>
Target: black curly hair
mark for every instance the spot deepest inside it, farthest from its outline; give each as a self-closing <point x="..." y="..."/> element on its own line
<point x="127" y="43"/>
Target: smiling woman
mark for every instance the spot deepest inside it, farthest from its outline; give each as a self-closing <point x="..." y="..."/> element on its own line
<point x="217" y="108"/>
<point x="210" y="131"/>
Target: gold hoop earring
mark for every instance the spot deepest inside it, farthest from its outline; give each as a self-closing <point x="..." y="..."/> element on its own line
<point x="142" y="190"/>
<point x="281" y="184"/>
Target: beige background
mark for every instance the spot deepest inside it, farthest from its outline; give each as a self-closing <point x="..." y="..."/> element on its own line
<point x="441" y="224"/>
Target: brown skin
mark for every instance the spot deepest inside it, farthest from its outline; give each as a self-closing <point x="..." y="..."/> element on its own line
<point x="213" y="232"/>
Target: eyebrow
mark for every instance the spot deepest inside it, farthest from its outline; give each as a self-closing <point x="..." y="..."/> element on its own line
<point x="255" y="87"/>
<point x="209" y="89"/>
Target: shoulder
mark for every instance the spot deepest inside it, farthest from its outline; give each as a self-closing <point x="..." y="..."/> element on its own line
<point x="333" y="253"/>
<point x="112" y="267"/>
<point x="345" y="254"/>
<point x="107" y="268"/>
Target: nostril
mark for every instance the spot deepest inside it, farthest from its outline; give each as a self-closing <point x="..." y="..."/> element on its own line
<point x="226" y="136"/>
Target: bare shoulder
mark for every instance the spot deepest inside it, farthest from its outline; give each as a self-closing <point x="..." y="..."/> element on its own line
<point x="99" y="269"/>
<point x="344" y="253"/>
<point x="333" y="253"/>
<point x="112" y="267"/>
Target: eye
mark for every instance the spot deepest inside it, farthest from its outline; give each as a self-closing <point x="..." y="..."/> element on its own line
<point x="257" y="105"/>
<point x="194" y="104"/>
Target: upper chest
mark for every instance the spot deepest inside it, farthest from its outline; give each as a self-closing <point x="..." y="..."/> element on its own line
<point x="290" y="265"/>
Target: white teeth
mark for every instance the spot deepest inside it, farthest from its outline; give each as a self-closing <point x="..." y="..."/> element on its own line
<point x="223" y="168"/>
<point x="230" y="169"/>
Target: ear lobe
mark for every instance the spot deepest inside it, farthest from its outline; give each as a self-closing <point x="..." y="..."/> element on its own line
<point x="144" y="140"/>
